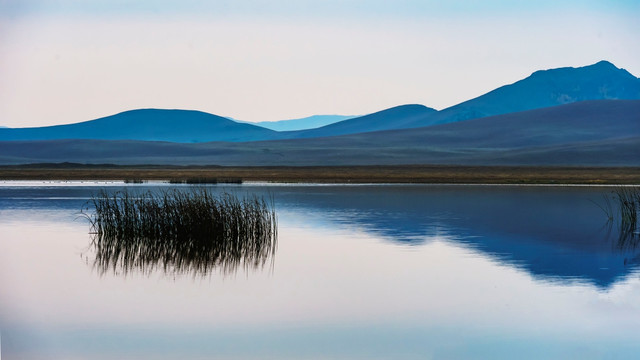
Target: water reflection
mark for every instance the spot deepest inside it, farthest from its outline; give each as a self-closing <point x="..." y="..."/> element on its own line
<point x="553" y="233"/>
<point x="625" y="239"/>
<point x="363" y="271"/>
<point x="180" y="232"/>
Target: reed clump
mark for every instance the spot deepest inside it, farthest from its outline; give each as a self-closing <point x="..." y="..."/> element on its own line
<point x="181" y="231"/>
<point x="622" y="208"/>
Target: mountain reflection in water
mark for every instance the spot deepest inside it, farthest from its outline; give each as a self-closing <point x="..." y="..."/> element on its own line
<point x="556" y="234"/>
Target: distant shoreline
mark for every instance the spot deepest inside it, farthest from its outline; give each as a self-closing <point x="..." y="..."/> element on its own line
<point x="398" y="174"/>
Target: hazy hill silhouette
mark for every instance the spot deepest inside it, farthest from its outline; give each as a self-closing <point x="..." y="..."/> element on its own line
<point x="149" y="125"/>
<point x="310" y="122"/>
<point x="392" y="118"/>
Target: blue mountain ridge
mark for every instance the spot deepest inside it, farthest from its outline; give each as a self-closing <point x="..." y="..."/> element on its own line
<point x="586" y="133"/>
<point x="381" y="120"/>
<point x="185" y="126"/>
<point x="544" y="88"/>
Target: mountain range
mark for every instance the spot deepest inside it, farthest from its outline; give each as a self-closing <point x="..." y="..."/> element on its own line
<point x="568" y="116"/>
<point x="597" y="132"/>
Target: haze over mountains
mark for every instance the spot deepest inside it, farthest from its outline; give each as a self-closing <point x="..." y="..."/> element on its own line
<point x="543" y="119"/>
<point x="393" y="118"/>
<point x="310" y="122"/>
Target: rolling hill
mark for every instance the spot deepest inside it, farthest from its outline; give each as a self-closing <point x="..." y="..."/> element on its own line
<point x="381" y="120"/>
<point x="149" y="125"/>
<point x="594" y="133"/>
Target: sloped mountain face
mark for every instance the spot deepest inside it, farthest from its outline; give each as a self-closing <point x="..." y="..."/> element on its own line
<point x="600" y="81"/>
<point x="545" y="88"/>
<point x="150" y="125"/>
<point x="585" y="121"/>
<point x="392" y="118"/>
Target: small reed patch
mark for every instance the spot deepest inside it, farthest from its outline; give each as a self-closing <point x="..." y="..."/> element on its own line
<point x="622" y="207"/>
<point x="180" y="231"/>
<point x="206" y="180"/>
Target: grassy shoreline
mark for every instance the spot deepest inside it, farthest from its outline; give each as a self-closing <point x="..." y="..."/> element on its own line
<point x="433" y="174"/>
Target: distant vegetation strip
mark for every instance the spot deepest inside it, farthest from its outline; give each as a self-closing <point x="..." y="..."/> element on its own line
<point x="436" y="174"/>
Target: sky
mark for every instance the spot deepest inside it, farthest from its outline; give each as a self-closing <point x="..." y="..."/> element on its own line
<point x="65" y="61"/>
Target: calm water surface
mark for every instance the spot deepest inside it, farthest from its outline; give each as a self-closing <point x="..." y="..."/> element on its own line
<point x="360" y="272"/>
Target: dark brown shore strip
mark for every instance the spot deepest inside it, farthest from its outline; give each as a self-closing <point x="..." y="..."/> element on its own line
<point x="435" y="174"/>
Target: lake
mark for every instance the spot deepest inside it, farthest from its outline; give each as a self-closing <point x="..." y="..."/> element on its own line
<point x="360" y="272"/>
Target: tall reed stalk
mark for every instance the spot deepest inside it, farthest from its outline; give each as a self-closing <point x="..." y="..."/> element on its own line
<point x="628" y="199"/>
<point x="181" y="231"/>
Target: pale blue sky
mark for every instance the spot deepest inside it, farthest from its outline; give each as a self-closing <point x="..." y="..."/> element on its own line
<point x="307" y="8"/>
<point x="72" y="60"/>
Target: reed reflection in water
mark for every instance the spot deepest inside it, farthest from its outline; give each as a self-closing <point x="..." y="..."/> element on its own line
<point x="180" y="231"/>
<point x="622" y="208"/>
